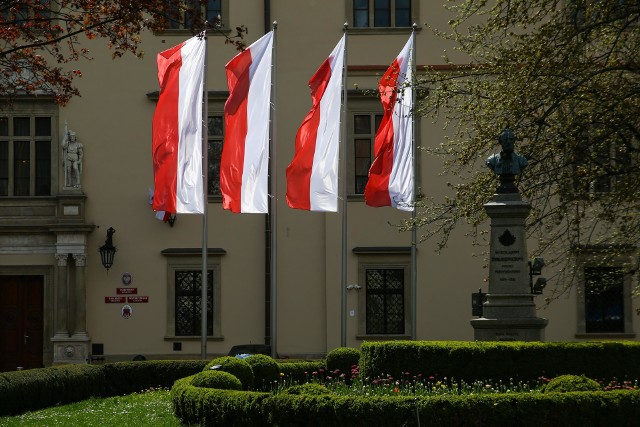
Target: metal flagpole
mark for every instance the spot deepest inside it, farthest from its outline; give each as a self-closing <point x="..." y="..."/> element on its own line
<point x="343" y="281"/>
<point x="414" y="240"/>
<point x="204" y="281"/>
<point x="274" y="203"/>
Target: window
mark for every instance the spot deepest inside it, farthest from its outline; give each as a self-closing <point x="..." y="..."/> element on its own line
<point x="191" y="13"/>
<point x="184" y="293"/>
<point x="365" y="126"/>
<point x="608" y="161"/>
<point x="604" y="299"/>
<point x="215" y="140"/>
<point x="21" y="11"/>
<point x="363" y="120"/>
<point x="26" y="143"/>
<point x="188" y="302"/>
<point x="384" y="291"/>
<point x="382" y="13"/>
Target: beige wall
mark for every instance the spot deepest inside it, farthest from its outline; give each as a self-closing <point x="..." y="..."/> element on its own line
<point x="113" y="121"/>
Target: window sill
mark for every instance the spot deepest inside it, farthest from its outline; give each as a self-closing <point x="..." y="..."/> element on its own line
<point x="382" y="30"/>
<point x="182" y="31"/>
<point x="605" y="336"/>
<point x="192" y="338"/>
<point x="383" y="337"/>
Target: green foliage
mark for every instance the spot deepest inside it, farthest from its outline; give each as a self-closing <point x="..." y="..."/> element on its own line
<point x="200" y="406"/>
<point x="343" y="359"/>
<point x="566" y="383"/>
<point x="213" y="407"/>
<point x="470" y="361"/>
<point x="38" y="388"/>
<point x="216" y="379"/>
<point x="297" y="372"/>
<point x="237" y="367"/>
<point x="130" y="377"/>
<point x="265" y="370"/>
<point x="311" y="389"/>
<point x="564" y="76"/>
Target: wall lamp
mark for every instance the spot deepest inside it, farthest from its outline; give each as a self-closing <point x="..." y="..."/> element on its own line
<point x="107" y="251"/>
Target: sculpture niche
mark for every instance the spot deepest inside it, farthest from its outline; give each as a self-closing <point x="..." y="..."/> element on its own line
<point x="72" y="154"/>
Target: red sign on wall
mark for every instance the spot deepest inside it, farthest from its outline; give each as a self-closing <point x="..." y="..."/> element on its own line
<point x="137" y="299"/>
<point x="126" y="291"/>
<point x="114" y="300"/>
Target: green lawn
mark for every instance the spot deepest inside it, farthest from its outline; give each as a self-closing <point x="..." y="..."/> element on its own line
<point x="152" y="408"/>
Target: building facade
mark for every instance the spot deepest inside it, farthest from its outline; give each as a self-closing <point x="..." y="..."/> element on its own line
<point x="60" y="305"/>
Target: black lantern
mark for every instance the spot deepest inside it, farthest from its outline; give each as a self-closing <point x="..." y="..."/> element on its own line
<point x="535" y="269"/>
<point x="107" y="251"/>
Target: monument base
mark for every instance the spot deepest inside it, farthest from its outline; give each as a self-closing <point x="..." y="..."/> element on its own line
<point x="509" y="329"/>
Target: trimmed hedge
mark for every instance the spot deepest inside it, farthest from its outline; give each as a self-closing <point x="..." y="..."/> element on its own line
<point x="216" y="379"/>
<point x="471" y="361"/>
<point x="265" y="371"/>
<point x="343" y="359"/>
<point x="237" y="367"/>
<point x="33" y="389"/>
<point x="22" y="391"/>
<point x="298" y="372"/>
<point x="213" y="407"/>
<point x="566" y="383"/>
<point x="207" y="407"/>
<point x="130" y="377"/>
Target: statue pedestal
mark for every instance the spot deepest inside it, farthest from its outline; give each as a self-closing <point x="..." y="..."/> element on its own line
<point x="67" y="350"/>
<point x="509" y="314"/>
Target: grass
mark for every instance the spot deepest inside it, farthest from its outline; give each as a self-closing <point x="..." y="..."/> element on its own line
<point x="149" y="408"/>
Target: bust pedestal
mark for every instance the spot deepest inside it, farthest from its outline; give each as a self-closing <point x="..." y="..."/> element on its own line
<point x="509" y="312"/>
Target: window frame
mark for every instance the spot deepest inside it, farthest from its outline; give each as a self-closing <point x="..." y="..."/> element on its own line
<point x="223" y="29"/>
<point x="594" y="259"/>
<point x="414" y="12"/>
<point x="33" y="109"/>
<point x="383" y="258"/>
<point x="181" y="259"/>
<point x="365" y="102"/>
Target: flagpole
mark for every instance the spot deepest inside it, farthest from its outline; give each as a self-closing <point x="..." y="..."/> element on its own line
<point x="414" y="265"/>
<point x="274" y="203"/>
<point x="343" y="281"/>
<point x="204" y="282"/>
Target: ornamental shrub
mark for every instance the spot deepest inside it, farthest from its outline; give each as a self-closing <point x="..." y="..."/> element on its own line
<point x="343" y="359"/>
<point x="565" y="383"/>
<point x="265" y="370"/>
<point x="310" y="389"/>
<point x="216" y="379"/>
<point x="238" y="367"/>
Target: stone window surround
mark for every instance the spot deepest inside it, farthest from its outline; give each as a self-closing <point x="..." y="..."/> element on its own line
<point x="191" y="259"/>
<point x="383" y="257"/>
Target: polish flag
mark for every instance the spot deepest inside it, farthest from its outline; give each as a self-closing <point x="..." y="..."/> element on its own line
<point x="245" y="153"/>
<point x="391" y="174"/>
<point x="312" y="176"/>
<point x="177" y="129"/>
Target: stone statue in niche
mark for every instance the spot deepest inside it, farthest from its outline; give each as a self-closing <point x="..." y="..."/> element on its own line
<point x="72" y="154"/>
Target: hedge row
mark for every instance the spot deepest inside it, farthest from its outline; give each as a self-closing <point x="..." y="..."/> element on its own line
<point x="34" y="389"/>
<point x="211" y="407"/>
<point x="471" y="361"/>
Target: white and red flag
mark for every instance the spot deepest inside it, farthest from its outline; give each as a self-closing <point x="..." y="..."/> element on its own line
<point x="391" y="174"/>
<point x="312" y="176"/>
<point x="177" y="129"/>
<point x="245" y="153"/>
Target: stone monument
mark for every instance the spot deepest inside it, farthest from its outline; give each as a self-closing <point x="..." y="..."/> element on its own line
<point x="509" y="311"/>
